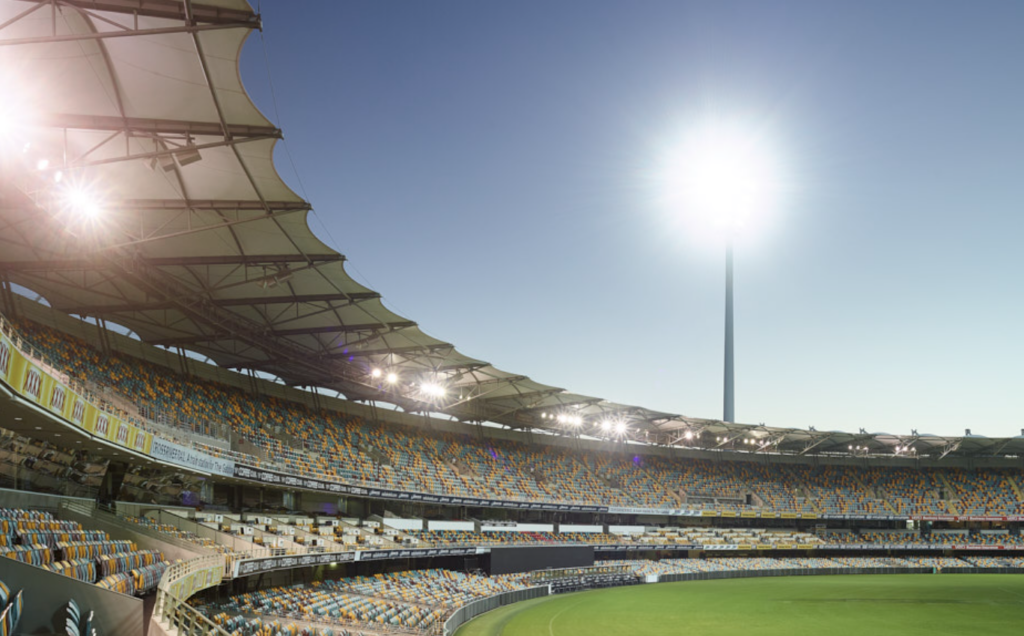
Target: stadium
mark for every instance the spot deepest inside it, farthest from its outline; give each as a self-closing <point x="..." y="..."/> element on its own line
<point x="208" y="426"/>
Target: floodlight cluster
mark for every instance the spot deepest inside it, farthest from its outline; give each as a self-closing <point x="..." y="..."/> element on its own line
<point x="433" y="389"/>
<point x="389" y="377"/>
<point x="76" y="200"/>
<point x="564" y="418"/>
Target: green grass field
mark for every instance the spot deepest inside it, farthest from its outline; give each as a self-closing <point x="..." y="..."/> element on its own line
<point x="903" y="604"/>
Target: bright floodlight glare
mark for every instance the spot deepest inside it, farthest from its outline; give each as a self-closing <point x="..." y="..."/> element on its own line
<point x="432" y="389"/>
<point x="375" y="373"/>
<point x="620" y="427"/>
<point x="392" y="378"/>
<point x="81" y="202"/>
<point x="17" y="108"/>
<point x="722" y="172"/>
<point x="605" y="425"/>
<point x="688" y="434"/>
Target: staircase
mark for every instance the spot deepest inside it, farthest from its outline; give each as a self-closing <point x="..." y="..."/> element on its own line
<point x="949" y="500"/>
<point x="378" y="457"/>
<point x="801" y="492"/>
<point x="241" y="445"/>
<point x="461" y="467"/>
<point x="1015" y="487"/>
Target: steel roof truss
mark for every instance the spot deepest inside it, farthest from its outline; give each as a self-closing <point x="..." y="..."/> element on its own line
<point x="951" y="447"/>
<point x="153" y="128"/>
<point x="256" y="260"/>
<point x="395" y="350"/>
<point x="168" y="9"/>
<point x="189" y="24"/>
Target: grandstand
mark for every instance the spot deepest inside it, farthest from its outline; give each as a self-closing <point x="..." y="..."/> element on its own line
<point x="194" y="476"/>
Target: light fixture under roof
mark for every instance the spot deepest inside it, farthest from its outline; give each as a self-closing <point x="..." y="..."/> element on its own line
<point x="187" y="156"/>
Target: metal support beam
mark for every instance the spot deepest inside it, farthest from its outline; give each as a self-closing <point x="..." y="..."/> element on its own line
<point x="729" y="439"/>
<point x="212" y="337"/>
<point x="227" y="141"/>
<point x="170" y="9"/>
<point x="394" y="350"/>
<point x="220" y="205"/>
<point x="157" y="305"/>
<point x="951" y="447"/>
<point x="814" y="444"/>
<point x="107" y="35"/>
<point x="90" y="264"/>
<point x="296" y="298"/>
<point x="148" y="127"/>
<point x="371" y="326"/>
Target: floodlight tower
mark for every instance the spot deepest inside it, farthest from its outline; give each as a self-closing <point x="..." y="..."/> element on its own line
<point x="728" y="393"/>
<point x="722" y="173"/>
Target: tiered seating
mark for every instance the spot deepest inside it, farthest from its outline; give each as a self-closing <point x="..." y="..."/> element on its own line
<point x="835" y="490"/>
<point x="704" y="484"/>
<point x="81" y="569"/>
<point x="894" y="537"/>
<point x="978" y="492"/>
<point x="66" y="548"/>
<point x="867" y="562"/>
<point x="434" y="587"/>
<point x="634" y="482"/>
<point x="995" y="562"/>
<point x="336" y="446"/>
<point x="907" y="491"/>
<point x="690" y="566"/>
<point x="187" y="535"/>
<point x="937" y="562"/>
<point x="418" y="600"/>
<point x="431" y="538"/>
<point x="325" y="603"/>
<point x="1001" y="538"/>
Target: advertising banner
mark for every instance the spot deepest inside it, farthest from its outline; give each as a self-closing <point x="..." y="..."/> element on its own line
<point x="6" y="351"/>
<point x="163" y="450"/>
<point x="198" y="580"/>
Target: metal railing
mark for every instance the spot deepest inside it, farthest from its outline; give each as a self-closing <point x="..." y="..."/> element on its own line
<point x="188" y="621"/>
<point x="181" y="581"/>
<point x="475" y="608"/>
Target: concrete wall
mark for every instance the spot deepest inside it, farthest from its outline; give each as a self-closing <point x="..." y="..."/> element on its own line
<point x="451" y="525"/>
<point x="403" y="524"/>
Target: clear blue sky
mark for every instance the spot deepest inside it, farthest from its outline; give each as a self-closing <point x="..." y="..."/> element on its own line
<point x="486" y="167"/>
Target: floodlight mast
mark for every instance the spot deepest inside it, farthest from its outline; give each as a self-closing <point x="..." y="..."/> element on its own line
<point x="729" y="388"/>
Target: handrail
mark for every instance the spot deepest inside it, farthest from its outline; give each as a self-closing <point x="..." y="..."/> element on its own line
<point x="178" y="583"/>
